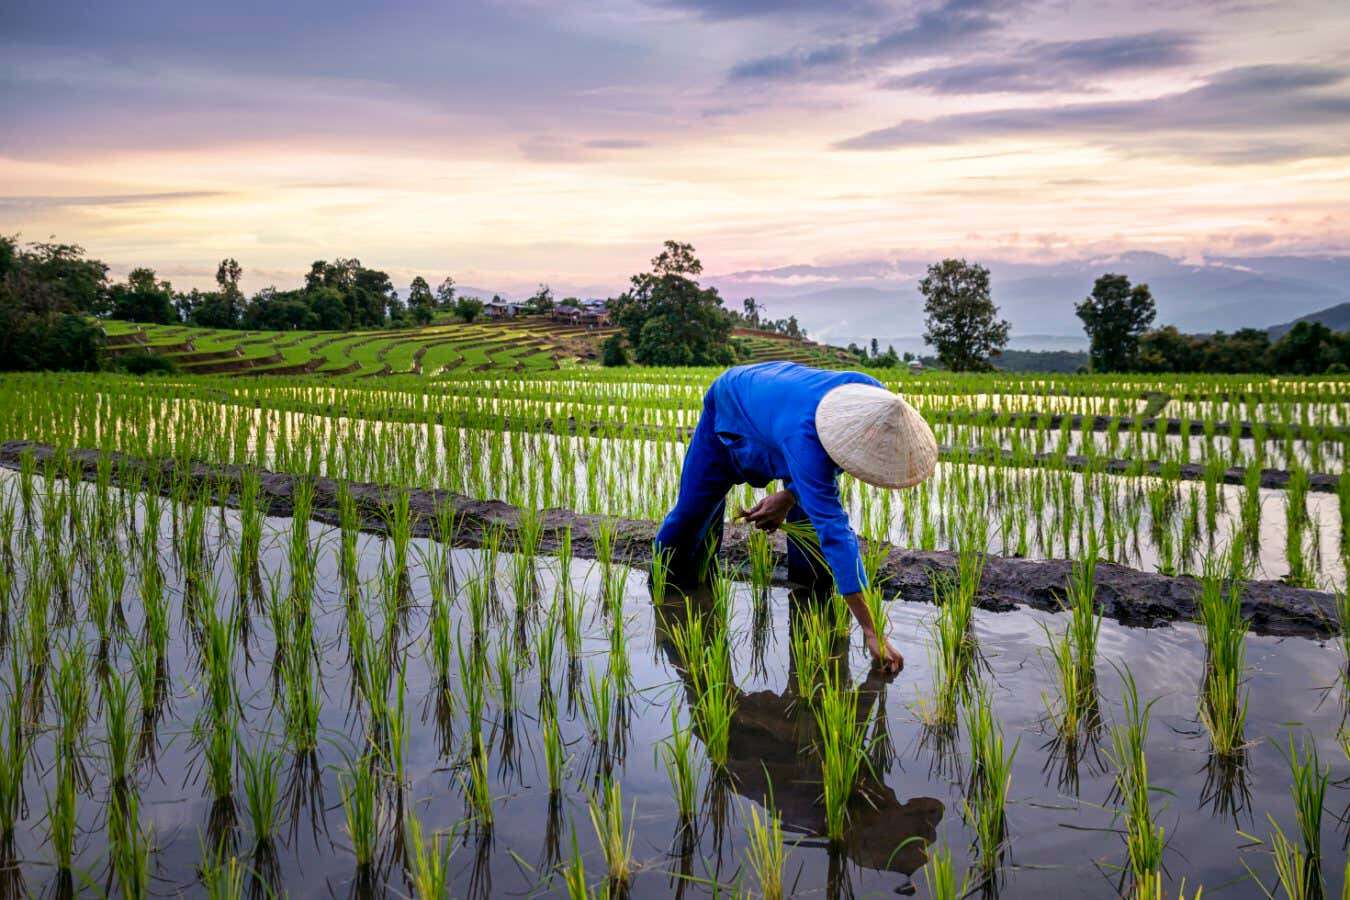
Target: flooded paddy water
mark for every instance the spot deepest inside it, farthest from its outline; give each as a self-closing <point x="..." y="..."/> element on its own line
<point x="397" y="678"/>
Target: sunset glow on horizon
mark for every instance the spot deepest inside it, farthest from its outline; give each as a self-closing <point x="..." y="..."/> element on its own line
<point x="519" y="142"/>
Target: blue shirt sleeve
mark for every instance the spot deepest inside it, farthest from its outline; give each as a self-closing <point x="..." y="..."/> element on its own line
<point x="812" y="480"/>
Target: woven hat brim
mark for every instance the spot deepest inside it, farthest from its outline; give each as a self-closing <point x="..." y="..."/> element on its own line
<point x="875" y="436"/>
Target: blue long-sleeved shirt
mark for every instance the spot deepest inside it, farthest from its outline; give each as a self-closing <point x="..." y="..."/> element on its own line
<point x="765" y="417"/>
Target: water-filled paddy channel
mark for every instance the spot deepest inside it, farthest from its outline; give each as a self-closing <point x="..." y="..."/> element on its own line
<point x="1064" y="834"/>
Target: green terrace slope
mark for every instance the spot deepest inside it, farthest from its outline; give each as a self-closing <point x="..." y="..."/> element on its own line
<point x="444" y="348"/>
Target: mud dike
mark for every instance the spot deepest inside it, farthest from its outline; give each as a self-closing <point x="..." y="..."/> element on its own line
<point x="1129" y="596"/>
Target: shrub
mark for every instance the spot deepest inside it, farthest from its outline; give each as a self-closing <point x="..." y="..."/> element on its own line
<point x="143" y="362"/>
<point x="613" y="352"/>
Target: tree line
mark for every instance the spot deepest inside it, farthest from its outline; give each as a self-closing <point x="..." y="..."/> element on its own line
<point x="963" y="326"/>
<point x="51" y="295"/>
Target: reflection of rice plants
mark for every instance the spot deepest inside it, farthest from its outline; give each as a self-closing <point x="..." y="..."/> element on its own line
<point x="1143" y="840"/>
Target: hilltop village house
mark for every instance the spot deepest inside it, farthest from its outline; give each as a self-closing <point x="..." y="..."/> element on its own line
<point x="591" y="313"/>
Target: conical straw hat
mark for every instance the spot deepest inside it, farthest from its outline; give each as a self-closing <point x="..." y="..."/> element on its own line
<point x="876" y="436"/>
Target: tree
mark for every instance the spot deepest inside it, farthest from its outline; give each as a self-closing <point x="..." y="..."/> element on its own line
<point x="961" y="320"/>
<point x="613" y="352"/>
<point x="42" y="325"/>
<point x="143" y="299"/>
<point x="228" y="274"/>
<point x="668" y="319"/>
<point x="468" y="308"/>
<point x="420" y="297"/>
<point x="81" y="283"/>
<point x="1309" y="348"/>
<point x="422" y="315"/>
<point x="445" y="294"/>
<point x="542" y="301"/>
<point x="1114" y="316"/>
<point x="752" y="309"/>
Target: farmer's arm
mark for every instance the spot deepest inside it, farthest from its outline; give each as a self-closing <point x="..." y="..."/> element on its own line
<point x="814" y="486"/>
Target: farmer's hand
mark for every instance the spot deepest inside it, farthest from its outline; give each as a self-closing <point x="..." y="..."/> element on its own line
<point x="770" y="512"/>
<point x="888" y="663"/>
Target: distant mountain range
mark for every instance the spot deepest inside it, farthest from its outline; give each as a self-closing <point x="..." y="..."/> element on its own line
<point x="856" y="301"/>
<point x="1337" y="318"/>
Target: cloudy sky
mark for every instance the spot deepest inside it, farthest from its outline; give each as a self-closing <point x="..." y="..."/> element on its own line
<point x="527" y="140"/>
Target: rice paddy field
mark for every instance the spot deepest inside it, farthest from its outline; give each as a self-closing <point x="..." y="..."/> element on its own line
<point x="256" y="639"/>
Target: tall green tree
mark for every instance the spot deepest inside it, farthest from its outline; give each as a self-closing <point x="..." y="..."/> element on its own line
<point x="542" y="300"/>
<point x="42" y="322"/>
<point x="961" y="321"/>
<point x="445" y="294"/>
<point x="64" y="268"/>
<point x="419" y="294"/>
<point x="468" y="308"/>
<point x="669" y="319"/>
<point x="228" y="274"/>
<point x="1115" y="315"/>
<point x="144" y="298"/>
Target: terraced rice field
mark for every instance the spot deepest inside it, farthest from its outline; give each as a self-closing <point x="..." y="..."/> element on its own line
<point x="433" y="351"/>
<point x="309" y="635"/>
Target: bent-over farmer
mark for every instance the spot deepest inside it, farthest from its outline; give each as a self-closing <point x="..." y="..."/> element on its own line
<point x="802" y="427"/>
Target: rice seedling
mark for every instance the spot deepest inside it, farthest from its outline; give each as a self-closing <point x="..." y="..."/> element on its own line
<point x="760" y="554"/>
<point x="1074" y="652"/>
<point x="676" y="755"/>
<point x="1223" y="708"/>
<point x="129" y="845"/>
<point x="1143" y="839"/>
<point x="843" y="741"/>
<point x="473" y="675"/>
<point x="120" y="727"/>
<point x="71" y="689"/>
<point x="223" y="876"/>
<point x="985" y="805"/>
<point x="61" y="813"/>
<point x="764" y="850"/>
<point x="429" y="865"/>
<point x="1309" y="791"/>
<point x="939" y="875"/>
<point x="477" y="788"/>
<point x="876" y="610"/>
<point x="555" y="759"/>
<point x="574" y="874"/>
<point x="362" y="809"/>
<point x="616" y="843"/>
<point x="260" y="772"/>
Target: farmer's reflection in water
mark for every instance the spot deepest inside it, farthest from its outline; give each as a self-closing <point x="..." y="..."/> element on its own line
<point x="773" y="753"/>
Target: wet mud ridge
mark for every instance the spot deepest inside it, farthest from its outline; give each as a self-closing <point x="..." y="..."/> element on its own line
<point x="1126" y="595"/>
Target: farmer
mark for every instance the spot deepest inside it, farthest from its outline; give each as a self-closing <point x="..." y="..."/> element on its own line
<point x="802" y="426"/>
